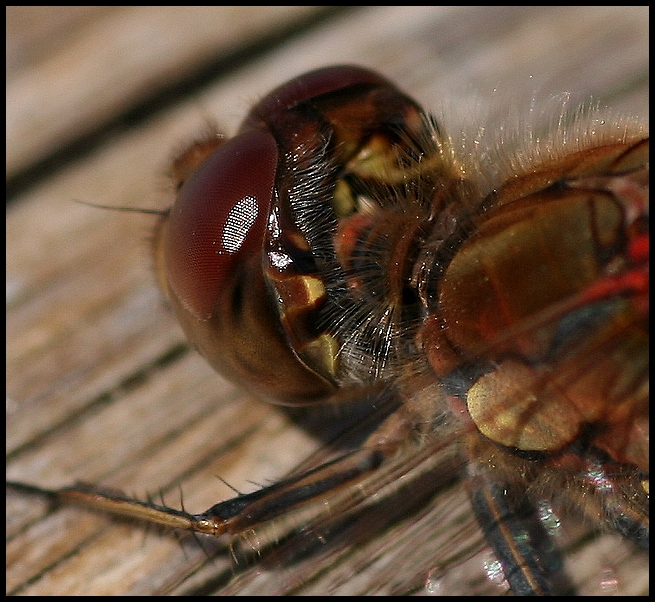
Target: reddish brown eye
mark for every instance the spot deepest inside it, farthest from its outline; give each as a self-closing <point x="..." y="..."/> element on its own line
<point x="251" y="280"/>
<point x="219" y="217"/>
<point x="276" y="105"/>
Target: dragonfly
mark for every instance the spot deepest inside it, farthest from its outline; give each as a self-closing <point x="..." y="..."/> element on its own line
<point x="342" y="248"/>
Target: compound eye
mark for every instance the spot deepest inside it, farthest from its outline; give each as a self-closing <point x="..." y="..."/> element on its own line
<point x="274" y="108"/>
<point x="218" y="221"/>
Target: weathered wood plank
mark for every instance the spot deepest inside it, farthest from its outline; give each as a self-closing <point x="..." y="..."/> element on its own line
<point x="98" y="389"/>
<point x="100" y="63"/>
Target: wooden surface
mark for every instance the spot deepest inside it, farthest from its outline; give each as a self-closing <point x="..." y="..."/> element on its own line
<point x="100" y="387"/>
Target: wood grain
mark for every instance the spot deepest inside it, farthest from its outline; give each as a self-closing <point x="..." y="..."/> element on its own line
<point x="100" y="387"/>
